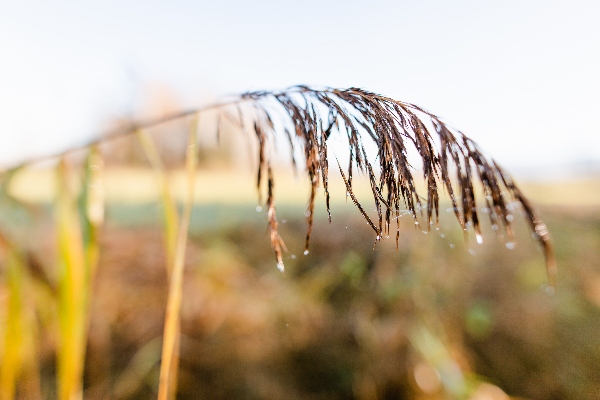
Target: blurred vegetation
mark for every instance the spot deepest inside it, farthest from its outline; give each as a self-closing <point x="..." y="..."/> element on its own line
<point x="440" y="318"/>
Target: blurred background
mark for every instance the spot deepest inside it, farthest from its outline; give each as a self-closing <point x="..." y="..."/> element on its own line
<point x="441" y="317"/>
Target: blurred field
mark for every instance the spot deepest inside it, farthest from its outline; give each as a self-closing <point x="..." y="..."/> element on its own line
<point x="138" y="185"/>
<point x="439" y="318"/>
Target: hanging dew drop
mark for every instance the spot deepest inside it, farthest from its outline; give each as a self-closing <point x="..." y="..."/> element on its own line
<point x="510" y="245"/>
<point x="479" y="238"/>
<point x="258" y="208"/>
<point x="305" y="252"/>
<point x="307" y="213"/>
<point x="280" y="267"/>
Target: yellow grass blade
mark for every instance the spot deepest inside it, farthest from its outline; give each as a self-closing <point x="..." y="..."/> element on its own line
<point x="170" y="213"/>
<point x="71" y="348"/>
<point x="171" y="333"/>
<point x="78" y="259"/>
<point x="12" y="362"/>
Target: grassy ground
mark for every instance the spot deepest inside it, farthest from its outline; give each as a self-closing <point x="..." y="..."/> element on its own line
<point x="438" y="317"/>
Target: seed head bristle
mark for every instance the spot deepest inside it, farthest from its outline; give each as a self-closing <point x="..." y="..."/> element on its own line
<point x="394" y="125"/>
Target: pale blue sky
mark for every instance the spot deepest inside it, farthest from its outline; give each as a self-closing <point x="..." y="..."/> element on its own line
<point x="519" y="77"/>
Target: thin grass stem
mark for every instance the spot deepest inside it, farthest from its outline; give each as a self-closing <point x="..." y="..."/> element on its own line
<point x="172" y="320"/>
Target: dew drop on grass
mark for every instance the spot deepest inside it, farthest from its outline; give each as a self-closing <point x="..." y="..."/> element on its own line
<point x="451" y="245"/>
<point x="293" y="256"/>
<point x="510" y="217"/>
<point x="280" y="267"/>
<point x="307" y="213"/>
<point x="305" y="252"/>
<point x="442" y="236"/>
<point x="495" y="227"/>
<point x="479" y="238"/>
<point x="549" y="290"/>
<point x="510" y="245"/>
<point x="258" y="208"/>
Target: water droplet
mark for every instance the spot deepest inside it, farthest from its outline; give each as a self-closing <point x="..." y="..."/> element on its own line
<point x="258" y="208"/>
<point x="288" y="325"/>
<point x="448" y="209"/>
<point x="305" y="252"/>
<point x="293" y="256"/>
<point x="442" y="236"/>
<point x="451" y="245"/>
<point x="549" y="290"/>
<point x="416" y="222"/>
<point x="425" y="232"/>
<point x="378" y="237"/>
<point x="348" y="194"/>
<point x="307" y="213"/>
<point x="494" y="227"/>
<point x="479" y="238"/>
<point x="472" y="252"/>
<point x="437" y="229"/>
<point x="510" y="217"/>
<point x="510" y="245"/>
<point x="280" y="267"/>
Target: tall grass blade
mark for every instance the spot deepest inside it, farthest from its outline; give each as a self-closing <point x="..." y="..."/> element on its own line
<point x="170" y="215"/>
<point x="78" y="222"/>
<point x="13" y="324"/>
<point x="72" y="289"/>
<point x="171" y="333"/>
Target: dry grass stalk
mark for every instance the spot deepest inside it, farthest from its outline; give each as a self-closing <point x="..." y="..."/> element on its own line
<point x="450" y="161"/>
<point x="170" y="215"/>
<point x="172" y="320"/>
